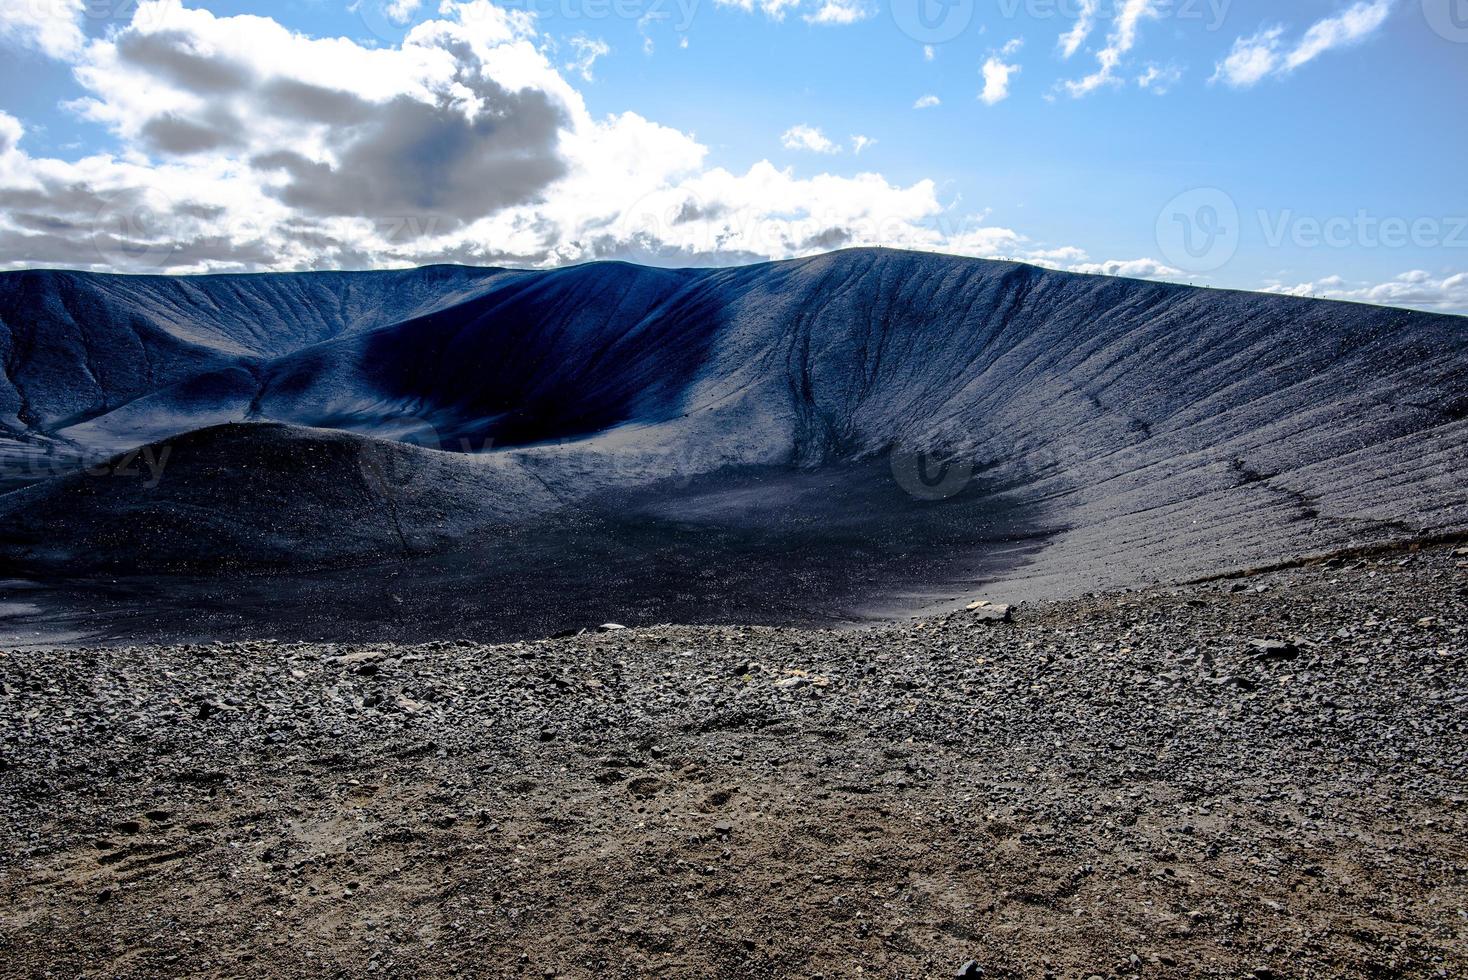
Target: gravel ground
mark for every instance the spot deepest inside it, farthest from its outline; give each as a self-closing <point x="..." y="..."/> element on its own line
<point x="1258" y="776"/>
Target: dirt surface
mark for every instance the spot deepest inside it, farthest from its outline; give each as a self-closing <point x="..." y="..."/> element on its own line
<point x="1262" y="776"/>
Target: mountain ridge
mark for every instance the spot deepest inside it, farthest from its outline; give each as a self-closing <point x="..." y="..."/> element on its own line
<point x="1144" y="428"/>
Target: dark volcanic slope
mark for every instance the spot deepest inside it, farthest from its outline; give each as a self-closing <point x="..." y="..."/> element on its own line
<point x="1150" y="429"/>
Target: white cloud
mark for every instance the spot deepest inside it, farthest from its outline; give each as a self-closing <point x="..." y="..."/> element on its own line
<point x="401" y="11"/>
<point x="859" y="143"/>
<point x="53" y="27"/>
<point x="997" y="74"/>
<point x="330" y="171"/>
<point x="773" y="9"/>
<point x="587" y="49"/>
<point x="927" y="102"/>
<point x="1350" y="27"/>
<point x="1119" y="43"/>
<point x="1415" y="289"/>
<point x="803" y="137"/>
<point x="1071" y="41"/>
<point x="840" y="12"/>
<point x="1130" y="268"/>
<point x="1252" y="59"/>
<point x="371" y="157"/>
<point x="1057" y="257"/>
<point x="1159" y="79"/>
<point x="929" y="52"/>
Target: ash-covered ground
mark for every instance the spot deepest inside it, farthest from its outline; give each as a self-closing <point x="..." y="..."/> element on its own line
<point x="1264" y="775"/>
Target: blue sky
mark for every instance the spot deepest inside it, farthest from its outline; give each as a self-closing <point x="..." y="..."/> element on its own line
<point x="1316" y="146"/>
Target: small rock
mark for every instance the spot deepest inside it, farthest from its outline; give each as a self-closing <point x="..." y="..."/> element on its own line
<point x="1274" y="649"/>
<point x="610" y="627"/>
<point x="991" y="612"/>
<point x="969" y="970"/>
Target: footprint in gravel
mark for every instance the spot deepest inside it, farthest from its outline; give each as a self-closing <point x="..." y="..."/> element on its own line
<point x="716" y="800"/>
<point x="644" y="787"/>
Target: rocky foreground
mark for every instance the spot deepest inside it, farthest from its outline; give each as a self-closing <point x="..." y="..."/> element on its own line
<point x="1259" y="776"/>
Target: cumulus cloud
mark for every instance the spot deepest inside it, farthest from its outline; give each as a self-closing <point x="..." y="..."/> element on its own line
<point x="859" y="143"/>
<point x="247" y="146"/>
<point x="53" y="27"/>
<point x="1119" y="43"/>
<point x="1253" y="59"/>
<point x="1071" y="259"/>
<point x="1130" y="268"/>
<point x="402" y="11"/>
<point x="996" y="74"/>
<point x="927" y="102"/>
<point x="1416" y="289"/>
<point x="803" y="137"/>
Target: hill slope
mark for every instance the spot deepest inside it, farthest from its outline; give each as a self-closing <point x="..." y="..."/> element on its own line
<point x="1144" y="429"/>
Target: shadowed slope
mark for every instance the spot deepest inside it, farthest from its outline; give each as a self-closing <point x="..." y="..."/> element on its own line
<point x="76" y="346"/>
<point x="239" y="496"/>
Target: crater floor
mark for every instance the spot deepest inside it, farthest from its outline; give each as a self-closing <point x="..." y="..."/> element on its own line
<point x="1261" y="775"/>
